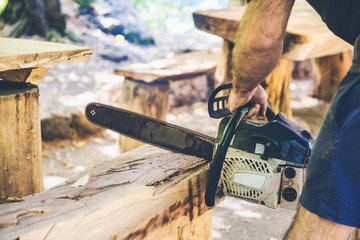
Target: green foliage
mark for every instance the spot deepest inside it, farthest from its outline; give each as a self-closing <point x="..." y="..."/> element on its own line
<point x="84" y="3"/>
<point x="53" y="35"/>
<point x="167" y="14"/>
<point x="3" y="5"/>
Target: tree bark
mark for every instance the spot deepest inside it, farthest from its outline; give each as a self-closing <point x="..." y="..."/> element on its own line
<point x="30" y="17"/>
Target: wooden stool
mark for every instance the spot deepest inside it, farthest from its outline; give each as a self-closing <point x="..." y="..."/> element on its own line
<point x="306" y="38"/>
<point x="146" y="86"/>
<point x="21" y="63"/>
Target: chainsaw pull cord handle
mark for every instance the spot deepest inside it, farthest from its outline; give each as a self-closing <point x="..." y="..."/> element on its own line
<point x="221" y="150"/>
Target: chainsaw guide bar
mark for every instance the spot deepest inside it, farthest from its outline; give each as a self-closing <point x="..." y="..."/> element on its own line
<point x="151" y="130"/>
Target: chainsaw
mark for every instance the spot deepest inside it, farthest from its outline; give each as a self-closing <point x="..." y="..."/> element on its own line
<point x="260" y="161"/>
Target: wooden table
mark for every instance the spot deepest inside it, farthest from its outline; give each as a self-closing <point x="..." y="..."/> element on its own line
<point x="22" y="64"/>
<point x="307" y="37"/>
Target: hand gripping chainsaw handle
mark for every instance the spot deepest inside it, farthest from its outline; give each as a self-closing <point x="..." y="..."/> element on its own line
<point x="217" y="109"/>
<point x="217" y="105"/>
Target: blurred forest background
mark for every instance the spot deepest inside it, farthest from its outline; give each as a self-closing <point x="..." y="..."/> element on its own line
<point x="136" y="21"/>
<point x="121" y="32"/>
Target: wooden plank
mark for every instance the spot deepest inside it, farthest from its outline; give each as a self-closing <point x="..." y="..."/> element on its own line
<point x="25" y="53"/>
<point x="181" y="66"/>
<point x="307" y="36"/>
<point x="28" y="75"/>
<point x="147" y="193"/>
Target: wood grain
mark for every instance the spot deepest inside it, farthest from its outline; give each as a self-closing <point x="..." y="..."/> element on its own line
<point x="147" y="193"/>
<point x="24" y="53"/>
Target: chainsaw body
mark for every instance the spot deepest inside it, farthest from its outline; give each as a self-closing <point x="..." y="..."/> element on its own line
<point x="265" y="161"/>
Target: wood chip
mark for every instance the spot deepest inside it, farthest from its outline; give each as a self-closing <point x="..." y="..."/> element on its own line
<point x="14" y="199"/>
<point x="81" y="182"/>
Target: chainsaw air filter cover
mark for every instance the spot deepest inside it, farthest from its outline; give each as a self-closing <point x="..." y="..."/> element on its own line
<point x="247" y="176"/>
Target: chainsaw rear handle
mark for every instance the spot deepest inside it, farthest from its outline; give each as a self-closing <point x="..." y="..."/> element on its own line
<point x="217" y="105"/>
<point x="221" y="150"/>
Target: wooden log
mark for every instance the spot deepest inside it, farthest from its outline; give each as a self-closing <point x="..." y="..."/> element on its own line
<point x="28" y="75"/>
<point x="328" y="73"/>
<point x="277" y="87"/>
<point x="20" y="140"/>
<point x="150" y="99"/>
<point x="147" y="193"/>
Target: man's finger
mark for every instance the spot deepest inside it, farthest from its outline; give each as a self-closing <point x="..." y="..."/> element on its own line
<point x="253" y="111"/>
<point x="263" y="109"/>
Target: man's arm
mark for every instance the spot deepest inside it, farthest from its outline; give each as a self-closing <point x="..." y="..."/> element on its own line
<point x="258" y="48"/>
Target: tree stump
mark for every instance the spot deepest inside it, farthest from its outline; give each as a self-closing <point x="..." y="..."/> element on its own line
<point x="150" y="99"/>
<point x="328" y="73"/>
<point x="20" y="140"/>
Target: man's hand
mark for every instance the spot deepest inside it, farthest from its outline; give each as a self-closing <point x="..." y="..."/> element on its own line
<point x="258" y="96"/>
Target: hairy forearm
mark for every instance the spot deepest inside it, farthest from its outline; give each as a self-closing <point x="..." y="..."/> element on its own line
<point x="259" y="41"/>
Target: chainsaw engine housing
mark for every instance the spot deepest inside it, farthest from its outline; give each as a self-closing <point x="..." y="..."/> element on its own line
<point x="266" y="161"/>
